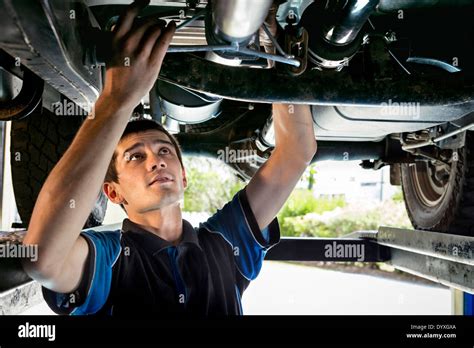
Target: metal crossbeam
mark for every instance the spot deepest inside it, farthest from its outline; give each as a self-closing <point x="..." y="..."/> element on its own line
<point x="328" y="249"/>
<point x="440" y="257"/>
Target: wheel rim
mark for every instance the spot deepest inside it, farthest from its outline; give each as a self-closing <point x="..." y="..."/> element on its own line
<point x="431" y="182"/>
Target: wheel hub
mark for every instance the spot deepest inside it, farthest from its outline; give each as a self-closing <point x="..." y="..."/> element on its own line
<point x="431" y="182"/>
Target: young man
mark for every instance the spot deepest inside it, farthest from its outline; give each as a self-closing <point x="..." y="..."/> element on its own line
<point x="157" y="263"/>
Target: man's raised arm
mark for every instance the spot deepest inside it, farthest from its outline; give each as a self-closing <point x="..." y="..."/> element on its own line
<point x="138" y="51"/>
<point x="295" y="147"/>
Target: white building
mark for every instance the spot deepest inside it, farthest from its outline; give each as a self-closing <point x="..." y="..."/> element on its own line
<point x="349" y="180"/>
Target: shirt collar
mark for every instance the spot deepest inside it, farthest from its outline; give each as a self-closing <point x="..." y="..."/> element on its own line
<point x="153" y="243"/>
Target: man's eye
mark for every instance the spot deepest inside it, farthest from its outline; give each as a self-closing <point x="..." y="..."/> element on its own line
<point x="165" y="150"/>
<point x="135" y="156"/>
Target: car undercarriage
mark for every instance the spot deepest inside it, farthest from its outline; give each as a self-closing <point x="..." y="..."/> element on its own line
<point x="389" y="83"/>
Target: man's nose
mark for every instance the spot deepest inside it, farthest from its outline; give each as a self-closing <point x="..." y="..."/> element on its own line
<point x="156" y="161"/>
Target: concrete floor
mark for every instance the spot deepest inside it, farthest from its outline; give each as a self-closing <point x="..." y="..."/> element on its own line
<point x="283" y="288"/>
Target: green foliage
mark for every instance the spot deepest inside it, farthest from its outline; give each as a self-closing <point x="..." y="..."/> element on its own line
<point x="349" y="219"/>
<point x="301" y="226"/>
<point x="302" y="202"/>
<point x="309" y="176"/>
<point x="210" y="185"/>
<point x="398" y="196"/>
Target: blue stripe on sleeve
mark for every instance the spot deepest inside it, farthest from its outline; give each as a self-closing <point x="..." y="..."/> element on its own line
<point x="106" y="251"/>
<point x="233" y="224"/>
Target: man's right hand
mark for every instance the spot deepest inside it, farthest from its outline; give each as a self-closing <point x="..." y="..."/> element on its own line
<point x="138" y="49"/>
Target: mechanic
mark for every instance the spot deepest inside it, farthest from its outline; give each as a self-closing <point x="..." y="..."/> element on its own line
<point x="157" y="263"/>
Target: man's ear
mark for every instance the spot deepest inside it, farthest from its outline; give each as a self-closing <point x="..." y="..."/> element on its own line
<point x="185" y="181"/>
<point x="111" y="192"/>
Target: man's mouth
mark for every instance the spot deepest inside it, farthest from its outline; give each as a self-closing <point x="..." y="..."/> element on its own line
<point x="160" y="179"/>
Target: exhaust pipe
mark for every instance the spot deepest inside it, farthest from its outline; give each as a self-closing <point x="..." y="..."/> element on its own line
<point x="337" y="30"/>
<point x="236" y="21"/>
<point x="353" y="17"/>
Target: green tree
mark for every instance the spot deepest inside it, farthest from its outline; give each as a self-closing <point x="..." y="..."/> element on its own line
<point x="311" y="173"/>
<point x="211" y="184"/>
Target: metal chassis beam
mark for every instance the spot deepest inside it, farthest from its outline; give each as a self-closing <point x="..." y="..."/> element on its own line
<point x="444" y="258"/>
<point x="440" y="257"/>
<point x="315" y="87"/>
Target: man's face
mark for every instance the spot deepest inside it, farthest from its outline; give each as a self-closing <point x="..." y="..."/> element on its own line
<point x="149" y="173"/>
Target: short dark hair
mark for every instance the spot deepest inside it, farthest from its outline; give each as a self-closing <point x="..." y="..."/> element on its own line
<point x="139" y="126"/>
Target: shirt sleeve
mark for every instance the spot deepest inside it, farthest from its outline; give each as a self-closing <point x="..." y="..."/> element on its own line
<point x="94" y="288"/>
<point x="238" y="226"/>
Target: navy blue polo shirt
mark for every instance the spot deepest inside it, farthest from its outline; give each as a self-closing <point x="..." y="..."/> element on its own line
<point x="133" y="271"/>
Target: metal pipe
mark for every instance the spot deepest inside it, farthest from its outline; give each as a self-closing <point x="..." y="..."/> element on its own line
<point x="274" y="57"/>
<point x="438" y="139"/>
<point x="450" y="134"/>
<point x="349" y="150"/>
<point x="233" y="48"/>
<point x="417" y="145"/>
<point x="396" y="5"/>
<point x="191" y="20"/>
<point x="434" y="62"/>
<point x="238" y="20"/>
<point x="354" y="15"/>
<point x="199" y="48"/>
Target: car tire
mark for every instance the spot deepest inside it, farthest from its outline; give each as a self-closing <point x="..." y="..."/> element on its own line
<point x="37" y="144"/>
<point x="442" y="202"/>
